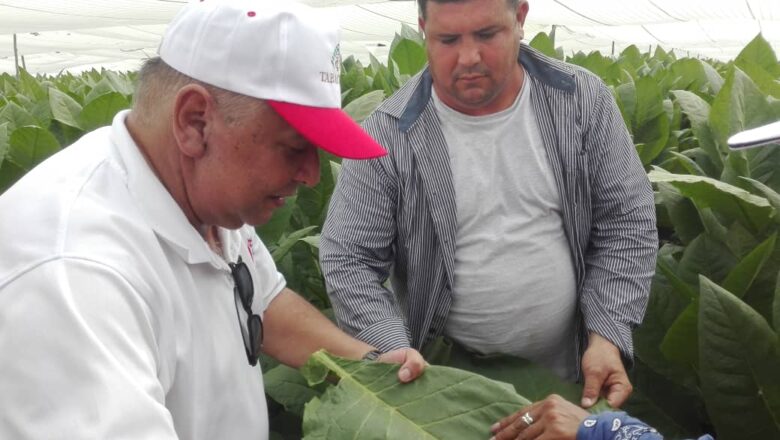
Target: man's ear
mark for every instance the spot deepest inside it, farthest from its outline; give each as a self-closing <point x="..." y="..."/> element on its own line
<point x="192" y="110"/>
<point x="522" y="12"/>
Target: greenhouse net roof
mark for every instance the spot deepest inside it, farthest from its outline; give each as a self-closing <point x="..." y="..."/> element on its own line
<point x="52" y="36"/>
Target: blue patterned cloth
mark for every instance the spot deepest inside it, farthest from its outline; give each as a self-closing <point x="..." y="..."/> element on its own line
<point x="619" y="426"/>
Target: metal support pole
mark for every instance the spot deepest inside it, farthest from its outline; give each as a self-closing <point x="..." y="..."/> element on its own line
<point x="16" y="58"/>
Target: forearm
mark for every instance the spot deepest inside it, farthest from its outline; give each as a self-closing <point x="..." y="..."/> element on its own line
<point x="294" y="329"/>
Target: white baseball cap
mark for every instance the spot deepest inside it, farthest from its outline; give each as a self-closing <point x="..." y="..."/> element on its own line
<point x="755" y="137"/>
<point x="279" y="51"/>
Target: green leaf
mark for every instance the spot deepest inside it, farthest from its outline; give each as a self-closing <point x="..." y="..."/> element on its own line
<point x="682" y="212"/>
<point x="695" y="75"/>
<point x="764" y="165"/>
<point x="312" y="240"/>
<point x="663" y="404"/>
<point x="740" y="360"/>
<point x="64" y="108"/>
<point x="705" y="256"/>
<point x="335" y="170"/>
<point x="759" y="52"/>
<point x="739" y="105"/>
<point x="369" y="402"/>
<point x="742" y="276"/>
<point x="31" y="145"/>
<point x="776" y="306"/>
<point x="544" y="44"/>
<point x="649" y="102"/>
<point x="625" y="95"/>
<point x="681" y="342"/>
<point x="9" y="174"/>
<point x="289" y="388"/>
<point x="289" y="241"/>
<point x="688" y="164"/>
<point x="119" y="83"/>
<point x="360" y="108"/>
<point x="531" y="380"/>
<point x="740" y="241"/>
<point x="16" y="116"/>
<point x="409" y="56"/>
<point x="4" y="142"/>
<point x="698" y="111"/>
<point x="714" y="80"/>
<point x="663" y="308"/>
<point x="714" y="228"/>
<point x="31" y="86"/>
<point x="40" y="110"/>
<point x="99" y="89"/>
<point x="735" y="203"/>
<point x="313" y="202"/>
<point x="410" y="33"/>
<point x="682" y="288"/>
<point x="272" y="230"/>
<point x="765" y="81"/>
<point x="652" y="136"/>
<point x="101" y="111"/>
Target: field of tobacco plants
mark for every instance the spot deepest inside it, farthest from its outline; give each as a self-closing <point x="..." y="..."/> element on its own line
<point x="707" y="354"/>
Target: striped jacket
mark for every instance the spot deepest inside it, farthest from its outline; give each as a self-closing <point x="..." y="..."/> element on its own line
<point x="395" y="217"/>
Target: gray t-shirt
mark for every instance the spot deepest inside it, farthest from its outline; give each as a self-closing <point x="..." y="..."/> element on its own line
<point x="515" y="288"/>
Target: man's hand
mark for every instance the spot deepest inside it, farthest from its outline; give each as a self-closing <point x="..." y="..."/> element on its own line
<point x="553" y="418"/>
<point x="412" y="363"/>
<point x="604" y="373"/>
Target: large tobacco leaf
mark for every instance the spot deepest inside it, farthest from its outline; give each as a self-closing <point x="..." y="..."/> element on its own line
<point x="698" y="111"/>
<point x="289" y="388"/>
<point x="64" y="108"/>
<point x="739" y="366"/>
<point x="4" y="142"/>
<point x="681" y="211"/>
<point x="360" y="108"/>
<point x="736" y="204"/>
<point x="665" y="405"/>
<point x="776" y="307"/>
<point x="101" y="111"/>
<point x="370" y="403"/>
<point x="30" y="145"/>
<point x="409" y="56"/>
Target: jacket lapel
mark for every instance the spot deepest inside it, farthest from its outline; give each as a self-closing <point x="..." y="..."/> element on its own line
<point x="433" y="160"/>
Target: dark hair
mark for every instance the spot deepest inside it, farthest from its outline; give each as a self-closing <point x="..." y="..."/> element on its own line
<point x="422" y="4"/>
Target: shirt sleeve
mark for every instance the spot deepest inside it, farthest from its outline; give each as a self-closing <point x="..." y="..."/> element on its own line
<point x="80" y="356"/>
<point x="623" y="239"/>
<point x="357" y="252"/>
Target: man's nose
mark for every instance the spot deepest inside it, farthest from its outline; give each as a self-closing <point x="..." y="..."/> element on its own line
<point x="468" y="54"/>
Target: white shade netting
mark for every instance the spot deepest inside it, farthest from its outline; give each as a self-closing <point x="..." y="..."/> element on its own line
<point x="53" y="36"/>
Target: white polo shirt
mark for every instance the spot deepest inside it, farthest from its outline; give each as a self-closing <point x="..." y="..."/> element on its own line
<point x="116" y="319"/>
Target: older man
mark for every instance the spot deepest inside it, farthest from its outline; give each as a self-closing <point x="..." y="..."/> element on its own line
<point x="134" y="297"/>
<point x="512" y="210"/>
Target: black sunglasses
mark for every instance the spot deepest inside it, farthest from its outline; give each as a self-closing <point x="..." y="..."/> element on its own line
<point x="244" y="292"/>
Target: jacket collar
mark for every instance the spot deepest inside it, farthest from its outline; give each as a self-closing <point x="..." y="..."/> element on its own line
<point x="553" y="73"/>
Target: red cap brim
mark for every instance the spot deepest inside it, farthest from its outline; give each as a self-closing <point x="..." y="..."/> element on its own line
<point x="330" y="129"/>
